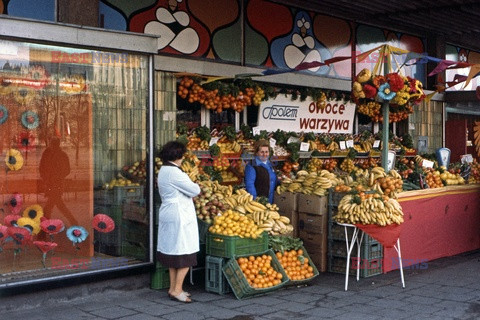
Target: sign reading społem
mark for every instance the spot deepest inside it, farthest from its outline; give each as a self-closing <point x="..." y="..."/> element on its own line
<point x="285" y="114"/>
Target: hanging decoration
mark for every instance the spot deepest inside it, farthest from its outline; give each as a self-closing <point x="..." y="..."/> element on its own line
<point x="11" y="220"/>
<point x="26" y="141"/>
<point x="30" y="120"/>
<point x="45" y="247"/>
<point x="3" y="114"/>
<point x="34" y="212"/>
<point x="24" y="95"/>
<point x="14" y="159"/>
<point x="403" y="93"/>
<point x="30" y="224"/>
<point x="103" y="223"/>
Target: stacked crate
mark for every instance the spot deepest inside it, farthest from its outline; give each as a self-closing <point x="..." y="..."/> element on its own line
<point x="312" y="227"/>
<point x="371" y="251"/>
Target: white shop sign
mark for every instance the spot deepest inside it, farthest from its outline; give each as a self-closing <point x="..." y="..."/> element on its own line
<point x="297" y="116"/>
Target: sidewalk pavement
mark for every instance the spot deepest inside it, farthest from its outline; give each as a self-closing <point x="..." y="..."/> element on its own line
<point x="448" y="289"/>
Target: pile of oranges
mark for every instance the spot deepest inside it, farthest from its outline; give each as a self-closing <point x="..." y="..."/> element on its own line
<point x="390" y="185"/>
<point x="297" y="267"/>
<point x="212" y="99"/>
<point x="433" y="179"/>
<point x="259" y="272"/>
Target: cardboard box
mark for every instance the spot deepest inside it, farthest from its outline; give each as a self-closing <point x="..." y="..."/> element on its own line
<point x="312" y="223"/>
<point x="286" y="201"/>
<point x="318" y="255"/>
<point x="312" y="204"/>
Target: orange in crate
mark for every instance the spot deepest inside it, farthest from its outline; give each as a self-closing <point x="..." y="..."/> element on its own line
<point x="259" y="272"/>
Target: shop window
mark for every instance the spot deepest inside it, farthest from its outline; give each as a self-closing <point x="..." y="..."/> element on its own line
<point x="73" y="144"/>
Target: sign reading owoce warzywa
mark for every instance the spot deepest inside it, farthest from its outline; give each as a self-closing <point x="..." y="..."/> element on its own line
<point x="307" y="116"/>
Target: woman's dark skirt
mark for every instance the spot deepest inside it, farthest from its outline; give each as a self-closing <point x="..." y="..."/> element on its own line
<point x="177" y="261"/>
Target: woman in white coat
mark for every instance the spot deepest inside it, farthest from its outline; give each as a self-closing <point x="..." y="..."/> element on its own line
<point x="178" y="241"/>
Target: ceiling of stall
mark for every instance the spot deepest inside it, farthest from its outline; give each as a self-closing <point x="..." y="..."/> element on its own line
<point x="457" y="21"/>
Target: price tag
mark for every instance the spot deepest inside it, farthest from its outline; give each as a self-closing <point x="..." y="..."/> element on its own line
<point x="213" y="140"/>
<point x="273" y="142"/>
<point x="466" y="158"/>
<point x="256" y="131"/>
<point x="376" y="144"/>
<point x="304" y="146"/>
<point x="343" y="145"/>
<point x="391" y="160"/>
<point x="349" y="143"/>
<point x="293" y="140"/>
<point x="427" y="163"/>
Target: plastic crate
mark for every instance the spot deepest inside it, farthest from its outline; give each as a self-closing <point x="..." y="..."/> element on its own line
<point x="368" y="267"/>
<point x="134" y="231"/>
<point x="135" y="211"/>
<point x="337" y="232"/>
<point x="239" y="283"/>
<point x="134" y="250"/>
<point x="371" y="250"/>
<point x="335" y="197"/>
<point x="127" y="194"/>
<point x="160" y="278"/>
<point x="311" y="264"/>
<point x="228" y="246"/>
<point x="215" y="280"/>
<point x="202" y="230"/>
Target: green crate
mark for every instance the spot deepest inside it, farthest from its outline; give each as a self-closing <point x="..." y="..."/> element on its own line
<point x="215" y="280"/>
<point x="127" y="194"/>
<point x="230" y="246"/>
<point x="239" y="283"/>
<point x="135" y="250"/>
<point x="371" y="250"/>
<point x="310" y="263"/>
<point x="202" y="230"/>
<point x="160" y="278"/>
<point x="368" y="267"/>
<point x="134" y="231"/>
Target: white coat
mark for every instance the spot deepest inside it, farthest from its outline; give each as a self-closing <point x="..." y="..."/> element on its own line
<point x="177" y="220"/>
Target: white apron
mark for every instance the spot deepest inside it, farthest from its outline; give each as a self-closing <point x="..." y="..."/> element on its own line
<point x="177" y="220"/>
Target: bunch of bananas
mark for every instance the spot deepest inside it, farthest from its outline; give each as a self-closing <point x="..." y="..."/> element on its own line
<point x="366" y="145"/>
<point x="333" y="146"/>
<point x="271" y="221"/>
<point x="191" y="170"/>
<point x="372" y="209"/>
<point x="227" y="147"/>
<point x="315" y="165"/>
<point x="209" y="188"/>
<point x="243" y="202"/>
<point x="309" y="183"/>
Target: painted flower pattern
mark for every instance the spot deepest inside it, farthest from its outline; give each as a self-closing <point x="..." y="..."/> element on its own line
<point x="34" y="212"/>
<point x="11" y="220"/>
<point x="20" y="235"/>
<point x="15" y="203"/>
<point x="14" y="159"/>
<point x="30" y="224"/>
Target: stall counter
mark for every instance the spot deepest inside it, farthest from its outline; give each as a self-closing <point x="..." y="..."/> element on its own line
<point x="438" y="223"/>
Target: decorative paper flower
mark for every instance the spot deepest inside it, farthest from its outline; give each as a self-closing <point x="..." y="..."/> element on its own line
<point x="11" y="220"/>
<point x="3" y="114"/>
<point x="3" y="233"/>
<point x="30" y="224"/>
<point x="370" y="91"/>
<point x="30" y="119"/>
<point x="77" y="234"/>
<point x="24" y="95"/>
<point x="395" y="81"/>
<point x="19" y="235"/>
<point x="14" y="159"/>
<point x="44" y="246"/>
<point x="364" y="75"/>
<point x="378" y="81"/>
<point x="357" y="90"/>
<point x="15" y="203"/>
<point x="385" y="93"/>
<point x="34" y="212"/>
<point x="52" y="226"/>
<point x="401" y="98"/>
<point x="26" y="141"/>
<point x="103" y="223"/>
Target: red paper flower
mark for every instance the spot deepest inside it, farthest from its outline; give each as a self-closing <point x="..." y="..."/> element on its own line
<point x="20" y="235"/>
<point x="103" y="223"/>
<point x="11" y="220"/>
<point x="45" y="246"/>
<point x="52" y="226"/>
<point x="26" y="141"/>
<point x="15" y="203"/>
<point x="3" y="233"/>
<point x="395" y="81"/>
<point x="370" y="91"/>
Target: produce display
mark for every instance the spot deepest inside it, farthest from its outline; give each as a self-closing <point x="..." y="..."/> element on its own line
<point x="297" y="267"/>
<point x="259" y="272"/>
<point x="309" y="183"/>
<point x="232" y="223"/>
